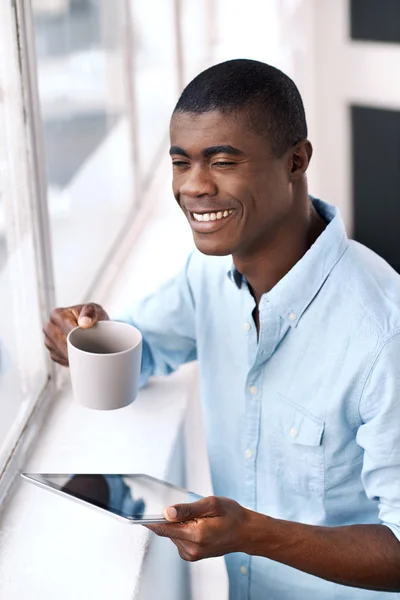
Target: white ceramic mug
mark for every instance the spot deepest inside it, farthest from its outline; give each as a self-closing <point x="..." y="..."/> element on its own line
<point x="105" y="363"/>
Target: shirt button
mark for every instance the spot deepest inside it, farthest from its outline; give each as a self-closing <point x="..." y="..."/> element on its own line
<point x="292" y="316"/>
<point x="243" y="570"/>
<point x="253" y="390"/>
<point x="248" y="453"/>
<point x="247" y="327"/>
<point x="293" y="432"/>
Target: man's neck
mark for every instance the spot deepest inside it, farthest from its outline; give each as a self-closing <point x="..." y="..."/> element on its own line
<point x="268" y="265"/>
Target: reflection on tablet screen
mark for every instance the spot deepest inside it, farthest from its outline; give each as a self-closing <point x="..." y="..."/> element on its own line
<point x="135" y="497"/>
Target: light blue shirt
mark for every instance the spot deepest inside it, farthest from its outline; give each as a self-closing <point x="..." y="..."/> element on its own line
<point x="304" y="423"/>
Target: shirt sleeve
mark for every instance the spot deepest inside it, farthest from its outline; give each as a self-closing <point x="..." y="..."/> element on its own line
<point x="166" y="320"/>
<point x="379" y="434"/>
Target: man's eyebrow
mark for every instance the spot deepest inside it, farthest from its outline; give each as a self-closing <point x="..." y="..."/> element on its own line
<point x="178" y="150"/>
<point x="208" y="152"/>
<point x="227" y="149"/>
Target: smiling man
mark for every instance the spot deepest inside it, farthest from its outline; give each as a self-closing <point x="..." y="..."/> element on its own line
<point x="297" y="333"/>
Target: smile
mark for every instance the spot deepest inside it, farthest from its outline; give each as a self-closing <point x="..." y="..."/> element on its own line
<point x="211" y="221"/>
<point x="212" y="216"/>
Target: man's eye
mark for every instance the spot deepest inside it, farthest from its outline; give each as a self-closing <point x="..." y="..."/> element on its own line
<point x="223" y="163"/>
<point x="179" y="163"/>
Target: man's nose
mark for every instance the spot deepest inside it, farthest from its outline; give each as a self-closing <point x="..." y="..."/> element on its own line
<point x="198" y="182"/>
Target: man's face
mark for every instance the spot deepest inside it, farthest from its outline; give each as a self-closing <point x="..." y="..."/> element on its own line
<point x="233" y="191"/>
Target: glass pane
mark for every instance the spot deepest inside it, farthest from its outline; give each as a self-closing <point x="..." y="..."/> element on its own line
<point x="156" y="75"/>
<point x="198" y="24"/>
<point x="83" y="86"/>
<point x="22" y="354"/>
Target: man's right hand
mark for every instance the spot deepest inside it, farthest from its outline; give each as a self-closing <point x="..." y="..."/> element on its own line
<point x="62" y="321"/>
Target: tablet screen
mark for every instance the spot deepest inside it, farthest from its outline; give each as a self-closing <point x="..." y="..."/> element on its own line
<point x="135" y="497"/>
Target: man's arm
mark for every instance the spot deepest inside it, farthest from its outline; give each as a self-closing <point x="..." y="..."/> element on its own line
<point x="166" y="320"/>
<point x="363" y="556"/>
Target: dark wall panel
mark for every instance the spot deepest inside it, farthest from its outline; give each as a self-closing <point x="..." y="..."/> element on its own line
<point x="375" y="20"/>
<point x="376" y="180"/>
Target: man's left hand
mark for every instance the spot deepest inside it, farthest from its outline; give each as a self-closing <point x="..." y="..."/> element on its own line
<point x="209" y="527"/>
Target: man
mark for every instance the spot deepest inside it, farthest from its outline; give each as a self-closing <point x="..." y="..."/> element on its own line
<point x="297" y="333"/>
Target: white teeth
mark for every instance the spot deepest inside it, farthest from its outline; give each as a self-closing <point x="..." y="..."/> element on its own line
<point x="212" y="216"/>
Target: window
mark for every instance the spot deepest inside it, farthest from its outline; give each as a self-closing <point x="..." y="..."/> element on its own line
<point x="22" y="358"/>
<point x="156" y="81"/>
<point x="199" y="34"/>
<point x="86" y="91"/>
<point x="23" y="371"/>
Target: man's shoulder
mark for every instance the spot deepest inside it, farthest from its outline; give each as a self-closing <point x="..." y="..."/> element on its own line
<point x="372" y="285"/>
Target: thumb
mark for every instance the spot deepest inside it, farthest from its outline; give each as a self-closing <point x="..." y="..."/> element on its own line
<point x="87" y="317"/>
<point x="206" y="507"/>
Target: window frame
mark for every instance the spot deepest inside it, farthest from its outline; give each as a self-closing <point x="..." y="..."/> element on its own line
<point x="21" y="69"/>
<point x="16" y="19"/>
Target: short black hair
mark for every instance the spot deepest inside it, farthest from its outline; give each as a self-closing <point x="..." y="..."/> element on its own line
<point x="272" y="101"/>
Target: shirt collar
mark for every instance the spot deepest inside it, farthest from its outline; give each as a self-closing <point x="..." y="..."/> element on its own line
<point x="297" y="289"/>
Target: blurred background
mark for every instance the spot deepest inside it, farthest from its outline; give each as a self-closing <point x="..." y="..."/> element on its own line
<point x="103" y="77"/>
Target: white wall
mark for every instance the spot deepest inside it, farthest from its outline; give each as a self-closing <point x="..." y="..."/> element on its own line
<point x="309" y="40"/>
<point x="347" y="72"/>
<point x="280" y="33"/>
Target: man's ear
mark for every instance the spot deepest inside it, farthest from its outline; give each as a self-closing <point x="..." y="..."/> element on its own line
<point x="299" y="158"/>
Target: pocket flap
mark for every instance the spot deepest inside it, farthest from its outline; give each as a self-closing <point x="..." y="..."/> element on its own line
<point x="298" y="426"/>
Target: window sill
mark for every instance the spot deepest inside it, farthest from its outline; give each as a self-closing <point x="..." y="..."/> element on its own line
<point x="55" y="548"/>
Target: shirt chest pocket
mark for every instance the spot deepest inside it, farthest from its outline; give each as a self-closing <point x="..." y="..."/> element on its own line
<point x="297" y="449"/>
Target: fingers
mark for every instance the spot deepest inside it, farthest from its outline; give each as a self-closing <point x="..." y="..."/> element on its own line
<point x="210" y="527"/>
<point x="90" y="314"/>
<point x="175" y="531"/>
<point x="55" y="342"/>
<point x="188" y="532"/>
<point x="62" y="321"/>
<point x="56" y="356"/>
<point x="206" y="507"/>
<point x="185" y="520"/>
<point x="189" y="551"/>
<point x="182" y="536"/>
<point x="60" y="360"/>
<point x="194" y="551"/>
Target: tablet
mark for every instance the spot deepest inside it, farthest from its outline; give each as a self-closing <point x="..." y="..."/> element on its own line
<point x="134" y="498"/>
